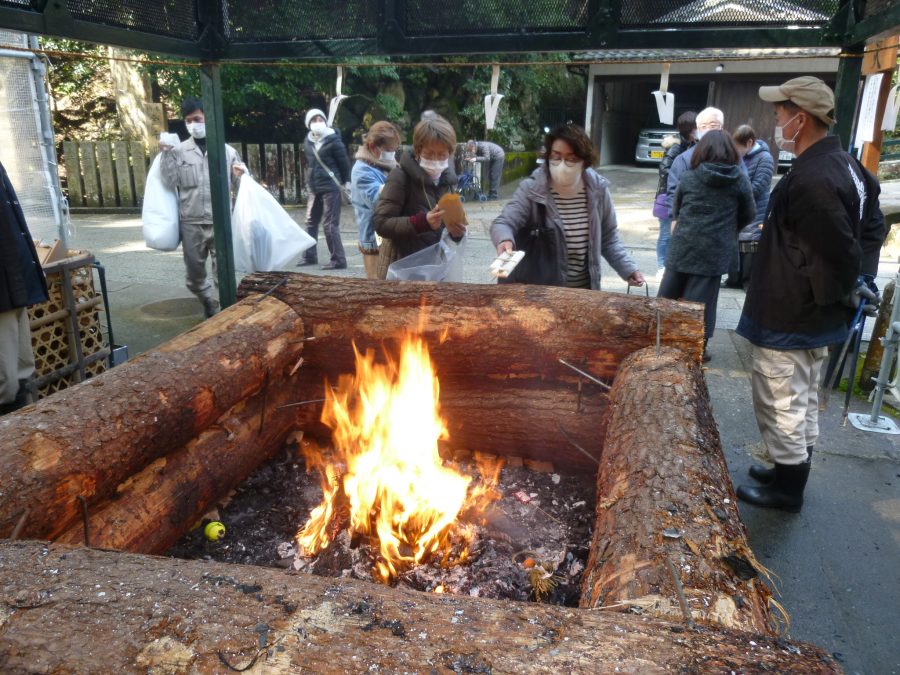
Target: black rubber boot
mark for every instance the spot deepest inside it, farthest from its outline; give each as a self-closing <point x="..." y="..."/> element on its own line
<point x="765" y="476"/>
<point x="785" y="492"/>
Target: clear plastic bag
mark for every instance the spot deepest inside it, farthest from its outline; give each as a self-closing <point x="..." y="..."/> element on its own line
<point x="159" y="214"/>
<point x="264" y="235"/>
<point x="439" y="262"/>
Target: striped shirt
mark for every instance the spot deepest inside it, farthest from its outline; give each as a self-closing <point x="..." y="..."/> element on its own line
<point x="576" y="222"/>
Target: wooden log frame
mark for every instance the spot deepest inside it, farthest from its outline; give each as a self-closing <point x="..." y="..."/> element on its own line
<point x="86" y="440"/>
<point x="496" y="351"/>
<point x="666" y="507"/>
<point x="87" y="610"/>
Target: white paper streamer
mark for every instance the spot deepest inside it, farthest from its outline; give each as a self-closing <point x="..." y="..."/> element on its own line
<point x="492" y="100"/>
<point x="338" y="97"/>
<point x="865" y="125"/>
<point x="665" y="101"/>
<point x="891" y="110"/>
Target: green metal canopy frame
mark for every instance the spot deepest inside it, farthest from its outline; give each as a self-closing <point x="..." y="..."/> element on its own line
<point x="216" y="31"/>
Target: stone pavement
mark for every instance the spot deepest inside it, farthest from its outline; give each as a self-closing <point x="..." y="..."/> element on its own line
<point x="837" y="561"/>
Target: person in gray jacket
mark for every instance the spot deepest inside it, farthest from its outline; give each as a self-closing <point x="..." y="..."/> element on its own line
<point x="185" y="168"/>
<point x="494" y="157"/>
<point x="569" y="195"/>
<point x="713" y="201"/>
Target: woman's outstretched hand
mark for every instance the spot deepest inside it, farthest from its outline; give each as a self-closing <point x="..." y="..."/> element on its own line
<point x="503" y="246"/>
<point x="636" y="278"/>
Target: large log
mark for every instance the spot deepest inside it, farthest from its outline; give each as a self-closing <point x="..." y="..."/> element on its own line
<point x="496" y="350"/>
<point x="85" y="610"/>
<point x="151" y="510"/>
<point x="84" y="441"/>
<point x="666" y="507"/>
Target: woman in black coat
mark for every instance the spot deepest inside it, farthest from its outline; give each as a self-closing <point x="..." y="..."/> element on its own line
<point x="713" y="201"/>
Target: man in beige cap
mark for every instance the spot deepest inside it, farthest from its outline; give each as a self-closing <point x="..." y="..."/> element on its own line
<point x="817" y="259"/>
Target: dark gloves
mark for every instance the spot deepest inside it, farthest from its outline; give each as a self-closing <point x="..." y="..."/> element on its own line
<point x="866" y="293"/>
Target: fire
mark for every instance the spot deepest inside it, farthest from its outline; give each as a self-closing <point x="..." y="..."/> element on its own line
<point x="386" y="478"/>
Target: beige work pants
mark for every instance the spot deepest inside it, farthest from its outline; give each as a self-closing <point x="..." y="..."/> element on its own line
<point x="785" y="399"/>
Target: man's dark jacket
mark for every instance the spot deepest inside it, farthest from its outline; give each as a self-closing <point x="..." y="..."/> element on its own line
<point x="22" y="280"/>
<point x="334" y="155"/>
<point x="818" y="237"/>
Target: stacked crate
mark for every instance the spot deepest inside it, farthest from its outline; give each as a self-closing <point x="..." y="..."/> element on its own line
<point x="66" y="334"/>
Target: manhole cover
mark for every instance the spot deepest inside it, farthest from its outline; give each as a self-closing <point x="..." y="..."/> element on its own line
<point x="173" y="308"/>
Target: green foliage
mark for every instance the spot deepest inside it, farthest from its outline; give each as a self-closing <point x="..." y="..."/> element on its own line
<point x="390" y="105"/>
<point x="268" y="102"/>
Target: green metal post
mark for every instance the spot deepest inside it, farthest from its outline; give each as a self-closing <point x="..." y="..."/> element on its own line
<point x="211" y="87"/>
<point x="846" y="92"/>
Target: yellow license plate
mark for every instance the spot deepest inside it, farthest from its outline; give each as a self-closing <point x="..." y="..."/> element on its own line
<point x="656" y="154"/>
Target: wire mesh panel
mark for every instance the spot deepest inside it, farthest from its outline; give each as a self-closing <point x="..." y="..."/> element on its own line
<point x="425" y="17"/>
<point x="175" y="18"/>
<point x="23" y="157"/>
<point x="268" y="20"/>
<point x="754" y="12"/>
<point x="9" y="38"/>
<point x="16" y="4"/>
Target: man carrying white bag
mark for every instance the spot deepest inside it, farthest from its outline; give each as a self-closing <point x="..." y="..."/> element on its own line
<point x="264" y="236"/>
<point x="183" y="170"/>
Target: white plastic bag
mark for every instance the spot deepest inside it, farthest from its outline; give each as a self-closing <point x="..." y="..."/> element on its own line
<point x="439" y="262"/>
<point x="159" y="213"/>
<point x="264" y="236"/>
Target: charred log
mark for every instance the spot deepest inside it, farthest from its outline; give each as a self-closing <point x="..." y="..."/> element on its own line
<point x="145" y="613"/>
<point x="86" y="440"/>
<point x="666" y="507"/>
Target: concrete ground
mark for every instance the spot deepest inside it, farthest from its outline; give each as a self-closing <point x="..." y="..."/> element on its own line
<point x="838" y="562"/>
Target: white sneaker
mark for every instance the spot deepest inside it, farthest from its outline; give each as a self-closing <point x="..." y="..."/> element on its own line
<point x="659" y="274"/>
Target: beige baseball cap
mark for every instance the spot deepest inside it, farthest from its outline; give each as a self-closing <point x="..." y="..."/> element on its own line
<point x="807" y="92"/>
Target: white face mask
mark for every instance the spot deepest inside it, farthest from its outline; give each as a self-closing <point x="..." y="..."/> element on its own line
<point x="786" y="144"/>
<point x="317" y="127"/>
<point x="197" y="129"/>
<point x="434" y="167"/>
<point x="564" y="175"/>
<point x="387" y="156"/>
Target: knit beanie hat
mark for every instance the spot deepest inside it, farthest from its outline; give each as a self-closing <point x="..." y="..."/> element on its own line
<point x="313" y="112"/>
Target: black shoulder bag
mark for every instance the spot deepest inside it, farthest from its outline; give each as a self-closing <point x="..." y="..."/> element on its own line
<point x="541" y="245"/>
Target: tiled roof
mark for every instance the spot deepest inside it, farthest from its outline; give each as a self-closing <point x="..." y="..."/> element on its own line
<point x="673" y="55"/>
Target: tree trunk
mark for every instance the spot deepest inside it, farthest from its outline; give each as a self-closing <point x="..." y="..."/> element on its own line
<point x="86" y="440"/>
<point x="664" y="496"/>
<point x="496" y="351"/>
<point x="153" y="509"/>
<point x="86" y="610"/>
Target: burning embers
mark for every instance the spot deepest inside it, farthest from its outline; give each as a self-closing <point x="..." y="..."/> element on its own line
<point x="385" y="480"/>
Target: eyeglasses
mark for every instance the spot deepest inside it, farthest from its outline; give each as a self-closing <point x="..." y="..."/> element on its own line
<point x="570" y="161"/>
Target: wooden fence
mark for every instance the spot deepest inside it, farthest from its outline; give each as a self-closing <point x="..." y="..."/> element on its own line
<point x="114" y="173"/>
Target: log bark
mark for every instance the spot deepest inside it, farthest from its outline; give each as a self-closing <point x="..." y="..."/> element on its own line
<point x="496" y="351"/>
<point x="664" y="496"/>
<point x="151" y="510"/>
<point x="86" y="440"/>
<point x="86" y="610"/>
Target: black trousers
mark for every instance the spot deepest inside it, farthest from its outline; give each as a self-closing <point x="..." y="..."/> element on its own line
<point x="696" y="288"/>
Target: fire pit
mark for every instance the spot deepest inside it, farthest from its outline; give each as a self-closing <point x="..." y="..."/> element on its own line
<point x="162" y="439"/>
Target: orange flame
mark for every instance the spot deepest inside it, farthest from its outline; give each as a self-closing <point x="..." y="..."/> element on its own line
<point x="386" y="425"/>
